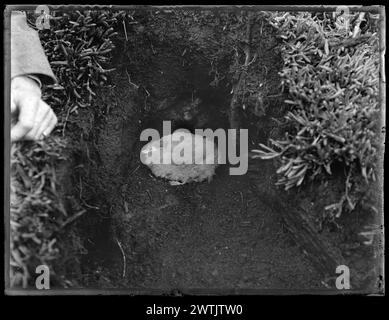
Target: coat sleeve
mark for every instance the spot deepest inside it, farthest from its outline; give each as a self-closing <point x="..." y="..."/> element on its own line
<point x="27" y="55"/>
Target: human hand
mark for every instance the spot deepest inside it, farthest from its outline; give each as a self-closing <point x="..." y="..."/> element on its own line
<point x="34" y="118"/>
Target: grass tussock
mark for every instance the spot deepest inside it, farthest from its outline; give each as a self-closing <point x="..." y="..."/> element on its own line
<point x="330" y="75"/>
<point x="36" y="208"/>
<point x="78" y="46"/>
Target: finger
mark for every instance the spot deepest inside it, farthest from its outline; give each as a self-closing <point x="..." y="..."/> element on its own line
<point x="43" y="126"/>
<point x="47" y="126"/>
<point x="44" y="111"/>
<point x="27" y="111"/>
<point x="51" y="126"/>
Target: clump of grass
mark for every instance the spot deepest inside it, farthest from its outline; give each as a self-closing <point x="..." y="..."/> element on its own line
<point x="36" y="209"/>
<point x="331" y="77"/>
<point x="78" y="46"/>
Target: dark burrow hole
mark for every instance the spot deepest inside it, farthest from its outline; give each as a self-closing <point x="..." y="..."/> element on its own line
<point x="200" y="108"/>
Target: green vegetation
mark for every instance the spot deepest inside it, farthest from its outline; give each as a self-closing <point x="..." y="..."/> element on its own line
<point x="331" y="79"/>
<point x="78" y="46"/>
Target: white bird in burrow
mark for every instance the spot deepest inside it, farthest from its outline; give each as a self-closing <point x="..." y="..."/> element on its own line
<point x="193" y="157"/>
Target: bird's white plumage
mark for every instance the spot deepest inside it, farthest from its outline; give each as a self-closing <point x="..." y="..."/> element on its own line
<point x="181" y="157"/>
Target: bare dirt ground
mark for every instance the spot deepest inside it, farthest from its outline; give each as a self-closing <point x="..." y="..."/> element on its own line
<point x="217" y="235"/>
